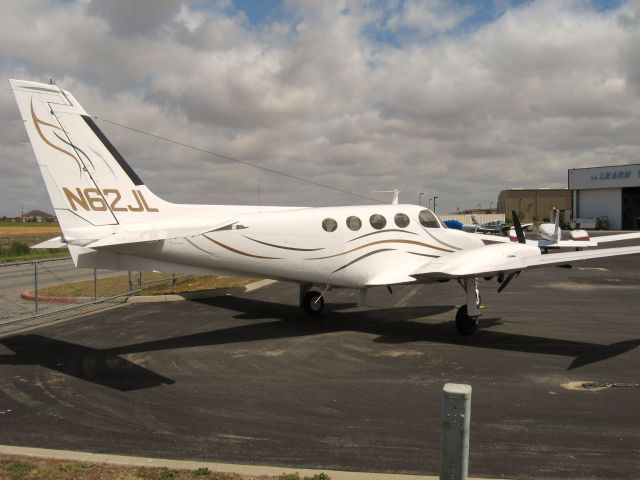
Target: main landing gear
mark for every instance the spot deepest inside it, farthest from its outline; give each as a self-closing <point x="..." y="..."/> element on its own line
<point x="468" y="315"/>
<point x="465" y="324"/>
<point x="310" y="300"/>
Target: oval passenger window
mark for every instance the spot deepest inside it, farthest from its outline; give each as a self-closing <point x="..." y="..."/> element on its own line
<point x="401" y="220"/>
<point x="377" y="221"/>
<point x="329" y="224"/>
<point x="354" y="223"/>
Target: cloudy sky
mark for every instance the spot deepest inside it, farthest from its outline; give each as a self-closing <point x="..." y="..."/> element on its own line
<point x="458" y="99"/>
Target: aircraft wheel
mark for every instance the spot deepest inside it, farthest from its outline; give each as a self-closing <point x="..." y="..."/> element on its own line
<point x="465" y="324"/>
<point x="313" y="303"/>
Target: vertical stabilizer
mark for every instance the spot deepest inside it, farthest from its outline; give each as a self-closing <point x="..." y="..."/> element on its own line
<point x="88" y="181"/>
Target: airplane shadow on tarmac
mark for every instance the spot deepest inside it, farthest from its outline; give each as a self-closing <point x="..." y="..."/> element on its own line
<point x="391" y="326"/>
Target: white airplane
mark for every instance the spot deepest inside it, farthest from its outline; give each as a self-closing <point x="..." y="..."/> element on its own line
<point x="496" y="227"/>
<point x="111" y="220"/>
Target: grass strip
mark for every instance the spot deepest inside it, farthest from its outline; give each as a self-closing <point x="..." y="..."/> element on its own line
<point x="10" y="229"/>
<point x="27" y="468"/>
<point x="117" y="284"/>
<point x="43" y="254"/>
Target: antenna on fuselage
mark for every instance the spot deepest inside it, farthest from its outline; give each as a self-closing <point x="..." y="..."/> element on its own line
<point x="396" y="194"/>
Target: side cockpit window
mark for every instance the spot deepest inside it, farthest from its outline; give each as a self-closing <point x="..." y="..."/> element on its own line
<point x="329" y="224"/>
<point x="428" y="219"/>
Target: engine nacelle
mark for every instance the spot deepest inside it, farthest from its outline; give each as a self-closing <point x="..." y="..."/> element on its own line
<point x="580" y="236"/>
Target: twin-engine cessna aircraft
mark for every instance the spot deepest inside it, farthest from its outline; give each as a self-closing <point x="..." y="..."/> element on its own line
<point x="111" y="220"/>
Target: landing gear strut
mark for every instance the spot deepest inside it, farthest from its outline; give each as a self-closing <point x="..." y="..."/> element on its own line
<point x="310" y="300"/>
<point x="468" y="315"/>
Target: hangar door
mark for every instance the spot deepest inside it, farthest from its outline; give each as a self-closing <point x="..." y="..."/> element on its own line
<point x="631" y="208"/>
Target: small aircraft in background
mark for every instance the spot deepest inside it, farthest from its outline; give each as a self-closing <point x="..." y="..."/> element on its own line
<point x="496" y="227"/>
<point x="111" y="220"/>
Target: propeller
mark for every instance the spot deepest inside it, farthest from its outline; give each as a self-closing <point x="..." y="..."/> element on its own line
<point x="518" y="227"/>
<point x="506" y="281"/>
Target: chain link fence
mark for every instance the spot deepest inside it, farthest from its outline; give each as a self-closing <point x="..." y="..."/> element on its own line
<point x="43" y="287"/>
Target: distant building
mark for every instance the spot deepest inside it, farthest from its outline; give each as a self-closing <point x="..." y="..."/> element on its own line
<point x="611" y="193"/>
<point x="38" y="216"/>
<point x="534" y="204"/>
<point x="478" y="211"/>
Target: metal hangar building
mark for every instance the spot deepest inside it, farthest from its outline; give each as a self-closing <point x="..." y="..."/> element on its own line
<point x="612" y="192"/>
<point x="533" y="204"/>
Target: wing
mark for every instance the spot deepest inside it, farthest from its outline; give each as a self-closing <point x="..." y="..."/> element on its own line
<point x="591" y="242"/>
<point x="505" y="258"/>
<point x="616" y="237"/>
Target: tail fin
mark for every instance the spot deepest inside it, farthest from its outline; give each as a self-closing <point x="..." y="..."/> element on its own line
<point x="88" y="181"/>
<point x="556" y="220"/>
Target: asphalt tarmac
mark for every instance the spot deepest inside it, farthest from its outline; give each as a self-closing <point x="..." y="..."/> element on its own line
<point x="249" y="378"/>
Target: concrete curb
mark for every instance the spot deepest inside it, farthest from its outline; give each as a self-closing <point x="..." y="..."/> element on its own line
<point x="30" y="296"/>
<point x="250" y="470"/>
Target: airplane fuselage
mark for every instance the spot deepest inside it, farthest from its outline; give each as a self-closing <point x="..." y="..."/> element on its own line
<point x="352" y="246"/>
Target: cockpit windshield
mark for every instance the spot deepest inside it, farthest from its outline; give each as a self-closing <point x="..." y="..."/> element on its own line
<point x="428" y="219"/>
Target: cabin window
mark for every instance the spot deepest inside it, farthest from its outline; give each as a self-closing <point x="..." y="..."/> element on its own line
<point x="401" y="220"/>
<point x="354" y="223"/>
<point x="329" y="224"/>
<point x="377" y="221"/>
<point x="428" y="219"/>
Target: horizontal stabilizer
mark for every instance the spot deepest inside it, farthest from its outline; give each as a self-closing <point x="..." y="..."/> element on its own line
<point x="55" y="242"/>
<point x="153" y="232"/>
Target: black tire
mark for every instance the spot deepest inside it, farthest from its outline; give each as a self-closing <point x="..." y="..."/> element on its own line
<point x="465" y="324"/>
<point x="313" y="303"/>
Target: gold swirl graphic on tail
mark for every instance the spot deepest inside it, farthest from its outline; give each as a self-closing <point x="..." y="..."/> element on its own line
<point x="37" y="122"/>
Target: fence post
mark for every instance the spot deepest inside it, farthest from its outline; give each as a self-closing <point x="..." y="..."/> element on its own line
<point x="456" y="420"/>
<point x="130" y="282"/>
<point x="35" y="283"/>
<point x="95" y="284"/>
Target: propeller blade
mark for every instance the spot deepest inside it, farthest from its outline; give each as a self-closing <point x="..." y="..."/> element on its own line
<point x="504" y="284"/>
<point x="518" y="227"/>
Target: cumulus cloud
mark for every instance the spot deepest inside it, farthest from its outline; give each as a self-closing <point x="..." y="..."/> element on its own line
<point x="435" y="97"/>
